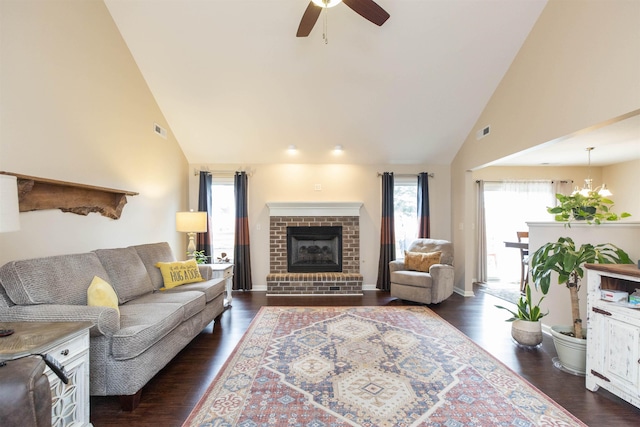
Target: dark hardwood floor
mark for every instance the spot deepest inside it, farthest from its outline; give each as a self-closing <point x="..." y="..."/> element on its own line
<point x="169" y="397"/>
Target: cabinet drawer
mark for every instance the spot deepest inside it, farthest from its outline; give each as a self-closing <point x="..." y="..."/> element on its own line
<point x="70" y="349"/>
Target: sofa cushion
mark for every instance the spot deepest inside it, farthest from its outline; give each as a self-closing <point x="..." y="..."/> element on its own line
<point x="142" y="325"/>
<point x="412" y="278"/>
<point x="193" y="302"/>
<point x="152" y="253"/>
<point x="61" y="279"/>
<point x="126" y="272"/>
<point x="211" y="288"/>
<point x="179" y="272"/>
<point x="419" y="261"/>
<point x="101" y="294"/>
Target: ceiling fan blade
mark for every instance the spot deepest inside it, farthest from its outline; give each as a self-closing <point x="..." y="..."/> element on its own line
<point x="308" y="20"/>
<point x="369" y="10"/>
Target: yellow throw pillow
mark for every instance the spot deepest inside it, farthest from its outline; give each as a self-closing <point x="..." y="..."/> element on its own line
<point x="179" y="273"/>
<point x="420" y="261"/>
<point x="101" y="294"/>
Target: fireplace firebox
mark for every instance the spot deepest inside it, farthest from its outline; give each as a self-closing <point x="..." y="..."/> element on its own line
<point x="314" y="249"/>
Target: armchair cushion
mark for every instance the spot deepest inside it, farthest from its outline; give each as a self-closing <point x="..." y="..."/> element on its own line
<point x="419" y="261"/>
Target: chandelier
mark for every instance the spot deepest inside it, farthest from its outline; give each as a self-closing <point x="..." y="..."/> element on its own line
<point x="588" y="182"/>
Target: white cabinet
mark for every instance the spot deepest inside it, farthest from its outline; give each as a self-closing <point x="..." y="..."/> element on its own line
<point x="613" y="335"/>
<point x="68" y="343"/>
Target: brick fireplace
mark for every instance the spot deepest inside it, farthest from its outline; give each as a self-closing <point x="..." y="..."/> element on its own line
<point x="345" y="215"/>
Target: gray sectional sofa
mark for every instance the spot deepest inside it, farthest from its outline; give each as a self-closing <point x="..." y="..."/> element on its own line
<point x="128" y="348"/>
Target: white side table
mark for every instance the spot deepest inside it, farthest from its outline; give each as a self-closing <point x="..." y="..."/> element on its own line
<point x="68" y="342"/>
<point x="226" y="271"/>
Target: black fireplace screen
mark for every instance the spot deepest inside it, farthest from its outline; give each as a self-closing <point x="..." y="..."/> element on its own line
<point x="314" y="249"/>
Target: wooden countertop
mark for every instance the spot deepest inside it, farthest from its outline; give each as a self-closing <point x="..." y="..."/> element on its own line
<point x="626" y="269"/>
<point x="35" y="337"/>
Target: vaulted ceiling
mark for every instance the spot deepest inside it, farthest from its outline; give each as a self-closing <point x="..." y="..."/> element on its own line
<point x="237" y="86"/>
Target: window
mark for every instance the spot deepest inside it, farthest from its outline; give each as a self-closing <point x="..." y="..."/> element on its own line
<point x="509" y="205"/>
<point x="223" y="216"/>
<point x="405" y="212"/>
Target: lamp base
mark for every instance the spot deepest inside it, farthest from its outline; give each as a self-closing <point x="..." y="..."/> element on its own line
<point x="191" y="247"/>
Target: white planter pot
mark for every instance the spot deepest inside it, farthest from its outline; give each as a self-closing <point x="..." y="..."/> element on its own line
<point x="527" y="333"/>
<point x="572" y="352"/>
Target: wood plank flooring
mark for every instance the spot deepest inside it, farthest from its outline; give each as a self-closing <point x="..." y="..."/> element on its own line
<point x="169" y="397"/>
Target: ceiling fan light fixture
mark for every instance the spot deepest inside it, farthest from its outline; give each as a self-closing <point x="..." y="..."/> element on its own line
<point x="326" y="3"/>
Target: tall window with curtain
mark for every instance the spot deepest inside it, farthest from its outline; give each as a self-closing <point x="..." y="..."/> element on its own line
<point x="481" y="273"/>
<point x="387" y="234"/>
<point x="424" y="225"/>
<point x="204" y="242"/>
<point x="508" y="206"/>
<point x="242" y="255"/>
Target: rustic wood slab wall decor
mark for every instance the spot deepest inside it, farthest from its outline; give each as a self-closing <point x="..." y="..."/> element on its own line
<point x="40" y="193"/>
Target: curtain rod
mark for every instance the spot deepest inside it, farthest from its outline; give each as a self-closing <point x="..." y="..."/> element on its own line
<point x="197" y="171"/>
<point x="562" y="181"/>
<point x="430" y="175"/>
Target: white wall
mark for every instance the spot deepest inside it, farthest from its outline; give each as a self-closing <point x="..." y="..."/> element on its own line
<point x="74" y="107"/>
<point x="342" y="183"/>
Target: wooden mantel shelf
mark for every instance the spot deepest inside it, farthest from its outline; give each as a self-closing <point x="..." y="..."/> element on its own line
<point x="41" y="193"/>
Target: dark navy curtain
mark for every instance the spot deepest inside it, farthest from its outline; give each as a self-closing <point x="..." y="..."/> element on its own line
<point x="387" y="234"/>
<point x="241" y="254"/>
<point x="424" y="227"/>
<point x="205" y="240"/>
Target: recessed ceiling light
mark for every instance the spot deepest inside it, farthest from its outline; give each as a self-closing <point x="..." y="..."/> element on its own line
<point x="338" y="149"/>
<point x="292" y="149"/>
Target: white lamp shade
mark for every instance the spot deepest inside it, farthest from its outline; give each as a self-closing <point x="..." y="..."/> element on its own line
<point x="9" y="208"/>
<point x="191" y="222"/>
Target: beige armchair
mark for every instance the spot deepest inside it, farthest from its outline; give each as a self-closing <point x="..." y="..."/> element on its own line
<point x="428" y="287"/>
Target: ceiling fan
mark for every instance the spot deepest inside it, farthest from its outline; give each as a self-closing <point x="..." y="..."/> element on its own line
<point x="368" y="9"/>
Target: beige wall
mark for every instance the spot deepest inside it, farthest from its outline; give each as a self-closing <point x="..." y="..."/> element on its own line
<point x="74" y="107"/>
<point x="624" y="179"/>
<point x="340" y="183"/>
<point x="579" y="67"/>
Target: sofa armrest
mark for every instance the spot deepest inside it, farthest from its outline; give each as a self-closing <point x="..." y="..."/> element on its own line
<point x="106" y="321"/>
<point x="442" y="279"/>
<point x="396" y="265"/>
<point x="205" y="271"/>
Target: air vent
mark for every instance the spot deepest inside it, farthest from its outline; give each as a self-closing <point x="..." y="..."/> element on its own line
<point x="160" y="130"/>
<point x="483" y="132"/>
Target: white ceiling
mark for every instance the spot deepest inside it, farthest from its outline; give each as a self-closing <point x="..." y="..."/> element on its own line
<point x="236" y="85"/>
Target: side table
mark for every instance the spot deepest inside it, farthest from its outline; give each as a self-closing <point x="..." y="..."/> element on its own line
<point x="68" y="342"/>
<point x="226" y="271"/>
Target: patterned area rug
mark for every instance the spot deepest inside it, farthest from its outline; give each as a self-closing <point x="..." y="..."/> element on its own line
<point x="367" y="366"/>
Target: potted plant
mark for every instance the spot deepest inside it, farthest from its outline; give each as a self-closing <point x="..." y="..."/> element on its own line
<point x="200" y="257"/>
<point x="563" y="258"/>
<point x="592" y="207"/>
<point x="526" y="328"/>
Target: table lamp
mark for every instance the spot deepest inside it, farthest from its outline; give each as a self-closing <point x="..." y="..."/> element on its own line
<point x="191" y="223"/>
<point x="9" y="207"/>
